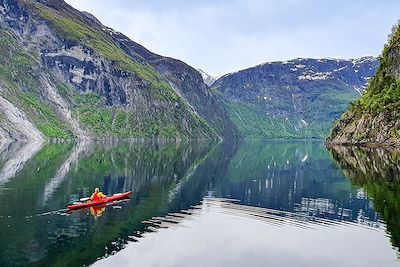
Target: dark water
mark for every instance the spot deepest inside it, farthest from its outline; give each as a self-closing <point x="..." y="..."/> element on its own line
<point x="278" y="203"/>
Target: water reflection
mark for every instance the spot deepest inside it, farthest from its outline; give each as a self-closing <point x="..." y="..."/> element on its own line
<point x="13" y="157"/>
<point x="294" y="176"/>
<point x="377" y="172"/>
<point x="252" y="236"/>
<point x="62" y="173"/>
<point x="291" y="183"/>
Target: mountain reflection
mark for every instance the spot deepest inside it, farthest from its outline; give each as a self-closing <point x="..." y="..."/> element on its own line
<point x="297" y="176"/>
<point x="58" y="174"/>
<point x="272" y="181"/>
<point x="377" y="171"/>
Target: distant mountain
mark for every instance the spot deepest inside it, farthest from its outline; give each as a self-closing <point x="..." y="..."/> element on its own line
<point x="65" y="75"/>
<point x="375" y="118"/>
<point x="295" y="98"/>
<point x="208" y="79"/>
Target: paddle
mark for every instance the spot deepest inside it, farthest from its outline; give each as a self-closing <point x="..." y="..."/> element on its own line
<point x="83" y="199"/>
<point x="87" y="198"/>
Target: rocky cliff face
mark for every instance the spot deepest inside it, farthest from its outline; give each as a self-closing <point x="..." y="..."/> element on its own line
<point x="65" y="75"/>
<point x="375" y="118"/>
<point x="296" y="98"/>
<point x="187" y="82"/>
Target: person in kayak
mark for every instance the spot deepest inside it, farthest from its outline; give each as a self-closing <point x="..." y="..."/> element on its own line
<point x="97" y="195"/>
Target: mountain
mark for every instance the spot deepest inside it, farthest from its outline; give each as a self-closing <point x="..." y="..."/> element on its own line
<point x="375" y="118"/>
<point x="292" y="99"/>
<point x="65" y="75"/>
<point x="208" y="79"/>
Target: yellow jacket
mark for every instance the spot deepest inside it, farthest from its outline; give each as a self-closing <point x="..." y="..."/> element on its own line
<point x="97" y="196"/>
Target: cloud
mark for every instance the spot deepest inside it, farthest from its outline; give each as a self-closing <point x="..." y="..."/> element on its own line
<point x="225" y="36"/>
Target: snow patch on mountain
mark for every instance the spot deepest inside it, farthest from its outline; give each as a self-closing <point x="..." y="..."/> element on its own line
<point x="315" y="76"/>
<point x="208" y="79"/>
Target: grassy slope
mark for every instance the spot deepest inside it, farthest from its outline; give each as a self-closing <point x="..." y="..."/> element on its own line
<point x="70" y="27"/>
<point x="253" y="122"/>
<point x="22" y="87"/>
<point x="112" y="121"/>
<point x="119" y="122"/>
<point x="382" y="95"/>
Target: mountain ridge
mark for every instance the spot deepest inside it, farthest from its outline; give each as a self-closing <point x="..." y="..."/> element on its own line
<point x="90" y="84"/>
<point x="294" y="98"/>
<point x="65" y="75"/>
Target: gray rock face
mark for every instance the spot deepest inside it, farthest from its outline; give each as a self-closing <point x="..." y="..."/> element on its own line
<point x="366" y="129"/>
<point x="65" y="75"/>
<point x="17" y="123"/>
<point x="298" y="73"/>
<point x="187" y="82"/>
<point x="374" y="119"/>
<point x="90" y="92"/>
<point x="296" y="98"/>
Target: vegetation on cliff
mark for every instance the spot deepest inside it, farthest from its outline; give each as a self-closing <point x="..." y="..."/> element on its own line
<point x="20" y="84"/>
<point x="299" y="98"/>
<point x="66" y="76"/>
<point x="383" y="92"/>
<point x="375" y="117"/>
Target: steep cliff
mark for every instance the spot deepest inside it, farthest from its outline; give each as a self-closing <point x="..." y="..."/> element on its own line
<point x="292" y="99"/>
<point x="65" y="75"/>
<point x="187" y="82"/>
<point x="375" y="118"/>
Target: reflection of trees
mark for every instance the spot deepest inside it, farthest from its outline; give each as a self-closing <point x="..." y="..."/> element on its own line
<point x="151" y="171"/>
<point x="284" y="175"/>
<point x="27" y="191"/>
<point x="377" y="170"/>
<point x="164" y="178"/>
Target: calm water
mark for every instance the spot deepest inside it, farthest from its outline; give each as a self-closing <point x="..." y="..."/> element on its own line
<point x="200" y="204"/>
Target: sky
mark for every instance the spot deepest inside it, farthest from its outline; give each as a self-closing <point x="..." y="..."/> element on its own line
<point x="223" y="36"/>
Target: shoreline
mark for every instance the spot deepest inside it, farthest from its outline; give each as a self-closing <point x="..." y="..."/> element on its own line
<point x="365" y="144"/>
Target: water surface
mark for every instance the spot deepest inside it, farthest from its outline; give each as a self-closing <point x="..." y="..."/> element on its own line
<point x="277" y="203"/>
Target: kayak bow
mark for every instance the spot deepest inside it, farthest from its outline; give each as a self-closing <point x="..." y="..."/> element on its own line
<point x="105" y="200"/>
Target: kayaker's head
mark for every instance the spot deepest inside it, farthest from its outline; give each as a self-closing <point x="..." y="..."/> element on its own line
<point x="96" y="190"/>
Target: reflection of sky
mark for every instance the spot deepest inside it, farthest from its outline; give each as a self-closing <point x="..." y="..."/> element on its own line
<point x="276" y="188"/>
<point x="296" y="179"/>
<point x="216" y="236"/>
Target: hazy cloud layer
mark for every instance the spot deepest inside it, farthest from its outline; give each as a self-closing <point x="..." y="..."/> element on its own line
<point x="222" y="36"/>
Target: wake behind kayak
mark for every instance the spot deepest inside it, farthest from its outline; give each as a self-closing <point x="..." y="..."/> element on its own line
<point x="102" y="201"/>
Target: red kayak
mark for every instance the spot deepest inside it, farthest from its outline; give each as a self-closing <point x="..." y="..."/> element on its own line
<point x="105" y="200"/>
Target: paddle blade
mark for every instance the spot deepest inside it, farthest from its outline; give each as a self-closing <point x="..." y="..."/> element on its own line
<point x="84" y="199"/>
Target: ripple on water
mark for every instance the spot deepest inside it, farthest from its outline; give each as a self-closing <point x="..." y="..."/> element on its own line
<point x="251" y="235"/>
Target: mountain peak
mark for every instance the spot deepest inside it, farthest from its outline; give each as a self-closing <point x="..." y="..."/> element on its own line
<point x="78" y="78"/>
<point x="294" y="98"/>
<point x="208" y="79"/>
